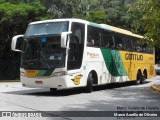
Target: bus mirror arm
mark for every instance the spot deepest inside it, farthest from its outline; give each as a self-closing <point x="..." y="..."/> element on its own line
<point x="14" y="43"/>
<point x="65" y="39"/>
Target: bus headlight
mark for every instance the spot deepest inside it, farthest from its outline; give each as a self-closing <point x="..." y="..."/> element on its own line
<point x="23" y="73"/>
<point x="58" y="73"/>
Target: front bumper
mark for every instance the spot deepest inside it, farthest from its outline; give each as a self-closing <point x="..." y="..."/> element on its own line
<point x="51" y="82"/>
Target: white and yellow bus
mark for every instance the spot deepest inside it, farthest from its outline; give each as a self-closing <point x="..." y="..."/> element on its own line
<point x="68" y="53"/>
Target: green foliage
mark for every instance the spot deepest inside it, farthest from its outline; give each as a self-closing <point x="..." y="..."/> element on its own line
<point x="92" y="10"/>
<point x="149" y="21"/>
<point x="17" y="16"/>
<point x="97" y="16"/>
<point x="14" y="18"/>
<point x="119" y="14"/>
<point x="113" y="12"/>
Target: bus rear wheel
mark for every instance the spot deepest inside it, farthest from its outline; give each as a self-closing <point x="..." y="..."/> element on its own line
<point x="139" y="77"/>
<point x="143" y="79"/>
<point x="89" y="83"/>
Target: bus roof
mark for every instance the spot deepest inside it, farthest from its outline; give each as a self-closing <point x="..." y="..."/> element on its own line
<point x="60" y="20"/>
<point x="122" y="31"/>
<point x="102" y="26"/>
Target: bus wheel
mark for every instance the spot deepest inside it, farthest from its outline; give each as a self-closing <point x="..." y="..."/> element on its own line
<point x="89" y="83"/>
<point x="53" y="90"/>
<point x="139" y="77"/>
<point x="143" y="79"/>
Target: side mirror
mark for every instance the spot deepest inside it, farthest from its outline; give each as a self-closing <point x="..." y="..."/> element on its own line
<point x="15" y="43"/>
<point x="64" y="39"/>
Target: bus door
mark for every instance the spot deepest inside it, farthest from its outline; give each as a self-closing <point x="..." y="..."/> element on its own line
<point x="76" y="46"/>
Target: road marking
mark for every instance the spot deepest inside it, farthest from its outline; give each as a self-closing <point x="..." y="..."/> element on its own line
<point x="155" y="88"/>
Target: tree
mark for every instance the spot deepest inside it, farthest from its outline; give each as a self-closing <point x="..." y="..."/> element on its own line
<point x="14" y="18"/>
<point x="118" y="13"/>
<point x="149" y="21"/>
<point x="85" y="9"/>
<point x="113" y="12"/>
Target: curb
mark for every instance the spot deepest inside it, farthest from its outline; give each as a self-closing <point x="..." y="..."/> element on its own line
<point x="9" y="81"/>
<point x="155" y="88"/>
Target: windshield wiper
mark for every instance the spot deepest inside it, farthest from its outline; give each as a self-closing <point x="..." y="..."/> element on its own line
<point x="45" y="60"/>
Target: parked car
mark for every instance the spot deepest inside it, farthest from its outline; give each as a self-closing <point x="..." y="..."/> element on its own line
<point x="157" y="69"/>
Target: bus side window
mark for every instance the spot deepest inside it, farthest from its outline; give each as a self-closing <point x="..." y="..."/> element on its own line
<point x="93" y="37"/>
<point x="147" y="49"/>
<point x="135" y="46"/>
<point x="111" y="42"/>
<point x="128" y="43"/>
<point x="90" y="42"/>
<point x="107" y="40"/>
<point x="119" y="42"/>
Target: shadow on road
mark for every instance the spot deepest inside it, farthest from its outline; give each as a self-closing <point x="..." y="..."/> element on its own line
<point x="67" y="92"/>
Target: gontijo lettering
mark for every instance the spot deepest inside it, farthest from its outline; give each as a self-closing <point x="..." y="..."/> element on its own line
<point x="130" y="56"/>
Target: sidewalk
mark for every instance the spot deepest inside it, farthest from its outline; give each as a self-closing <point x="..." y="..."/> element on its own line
<point x="9" y="81"/>
<point x="156" y="87"/>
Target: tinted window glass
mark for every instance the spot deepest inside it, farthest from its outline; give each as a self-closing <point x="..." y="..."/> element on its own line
<point x="107" y="40"/>
<point x="93" y="36"/>
<point x="52" y="28"/>
<point x="76" y="46"/>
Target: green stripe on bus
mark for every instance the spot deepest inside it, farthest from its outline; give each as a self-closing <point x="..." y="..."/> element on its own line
<point x="44" y="72"/>
<point x="49" y="72"/>
<point x="41" y="73"/>
<point x="113" y="62"/>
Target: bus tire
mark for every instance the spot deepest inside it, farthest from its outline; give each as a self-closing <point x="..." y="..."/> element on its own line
<point x="143" y="79"/>
<point x="89" y="83"/>
<point x="139" y="77"/>
<point x="53" y="90"/>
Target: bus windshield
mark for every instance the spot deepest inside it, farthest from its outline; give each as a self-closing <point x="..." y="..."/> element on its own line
<point x="42" y="53"/>
<point x="51" y="28"/>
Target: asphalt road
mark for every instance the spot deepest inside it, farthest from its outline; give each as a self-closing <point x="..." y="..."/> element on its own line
<point x="14" y="97"/>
